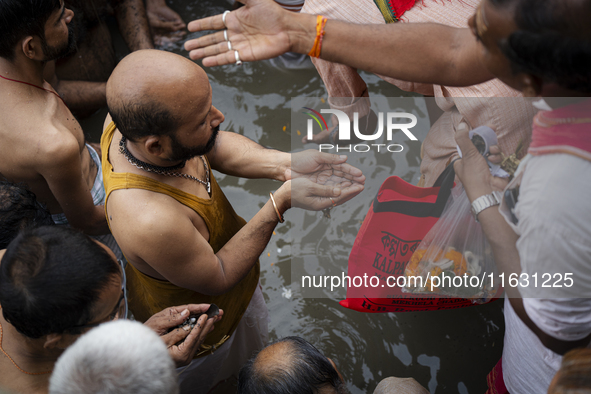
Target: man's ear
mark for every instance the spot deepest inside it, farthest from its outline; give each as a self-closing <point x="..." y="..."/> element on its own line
<point x="155" y="145"/>
<point x="32" y="48"/>
<point x="531" y="86"/>
<point x="53" y="341"/>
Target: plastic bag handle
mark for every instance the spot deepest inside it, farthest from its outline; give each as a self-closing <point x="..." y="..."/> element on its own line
<point x="445" y="181"/>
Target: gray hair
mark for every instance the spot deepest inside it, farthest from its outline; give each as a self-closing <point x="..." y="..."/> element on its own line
<point x="119" y="357"/>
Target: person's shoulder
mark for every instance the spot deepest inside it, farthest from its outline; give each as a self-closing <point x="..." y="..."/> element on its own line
<point x="56" y="145"/>
<point x="149" y="215"/>
<point x="557" y="179"/>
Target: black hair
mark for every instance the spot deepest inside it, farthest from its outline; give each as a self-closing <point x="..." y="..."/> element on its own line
<point x="553" y="41"/>
<point x="51" y="279"/>
<point x="304" y="371"/>
<point x="19" y="210"/>
<point x="22" y="18"/>
<point x="136" y="120"/>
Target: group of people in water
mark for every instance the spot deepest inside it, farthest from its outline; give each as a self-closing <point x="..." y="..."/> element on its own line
<point x="137" y="226"/>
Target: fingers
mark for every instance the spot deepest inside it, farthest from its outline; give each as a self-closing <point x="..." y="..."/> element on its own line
<point x="211" y="23"/>
<point x="205" y="41"/>
<point x="176" y="335"/>
<point x="329" y="158"/>
<point x="349" y="192"/>
<point x="323" y="190"/>
<point x="184" y="352"/>
<point x="495" y="156"/>
<point x="465" y="144"/>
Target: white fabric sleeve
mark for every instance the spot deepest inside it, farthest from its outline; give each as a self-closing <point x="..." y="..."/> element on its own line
<point x="562" y="318"/>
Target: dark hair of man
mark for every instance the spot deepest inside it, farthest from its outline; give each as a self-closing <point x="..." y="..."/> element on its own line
<point x="51" y="278"/>
<point x="553" y="41"/>
<point x="19" y="210"/>
<point x="22" y="18"/>
<point x="305" y="371"/>
<point x="137" y="120"/>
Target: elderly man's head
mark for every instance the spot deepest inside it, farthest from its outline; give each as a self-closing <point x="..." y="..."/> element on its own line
<point x="55" y="282"/>
<point x="290" y="366"/>
<point x="164" y="102"/>
<point x="120" y="357"/>
<point x="540" y="47"/>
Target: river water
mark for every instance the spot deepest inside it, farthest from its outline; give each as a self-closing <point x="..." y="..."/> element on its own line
<point x="446" y="351"/>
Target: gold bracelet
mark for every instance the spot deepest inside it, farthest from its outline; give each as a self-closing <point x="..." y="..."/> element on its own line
<point x="281" y="220"/>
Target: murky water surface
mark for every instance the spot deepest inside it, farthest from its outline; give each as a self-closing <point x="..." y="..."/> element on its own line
<point x="446" y="351"/>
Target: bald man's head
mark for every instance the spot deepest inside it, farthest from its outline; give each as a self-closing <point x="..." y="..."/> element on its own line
<point x="290" y="366"/>
<point x="152" y="92"/>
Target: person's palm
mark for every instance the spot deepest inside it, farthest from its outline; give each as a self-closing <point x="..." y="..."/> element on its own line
<point x="254" y="30"/>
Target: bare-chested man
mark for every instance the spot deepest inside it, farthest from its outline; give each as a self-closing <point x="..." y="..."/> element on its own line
<point x="41" y="144"/>
<point x="81" y="76"/>
<point x="182" y="238"/>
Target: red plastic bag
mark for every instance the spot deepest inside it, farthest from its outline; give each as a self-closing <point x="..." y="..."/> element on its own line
<point x="398" y="219"/>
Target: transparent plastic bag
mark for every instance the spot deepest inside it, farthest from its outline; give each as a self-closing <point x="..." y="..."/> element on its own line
<point x="454" y="259"/>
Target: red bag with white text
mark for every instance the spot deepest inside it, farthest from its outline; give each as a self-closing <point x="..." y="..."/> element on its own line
<point x="398" y="219"/>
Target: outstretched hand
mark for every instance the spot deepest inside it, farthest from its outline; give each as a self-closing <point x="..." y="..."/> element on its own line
<point x="311" y="163"/>
<point x="322" y="180"/>
<point x="313" y="196"/>
<point x="182" y="353"/>
<point x="257" y="31"/>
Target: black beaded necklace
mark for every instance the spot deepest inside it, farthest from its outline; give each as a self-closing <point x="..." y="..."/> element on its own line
<point x="167" y="171"/>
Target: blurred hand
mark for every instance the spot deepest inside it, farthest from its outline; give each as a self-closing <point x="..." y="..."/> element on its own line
<point x="257" y="31"/>
<point x="473" y="170"/>
<point x="162" y="18"/>
<point x="163" y="321"/>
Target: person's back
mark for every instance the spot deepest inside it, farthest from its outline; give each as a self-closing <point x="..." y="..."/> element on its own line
<point x="42" y="144"/>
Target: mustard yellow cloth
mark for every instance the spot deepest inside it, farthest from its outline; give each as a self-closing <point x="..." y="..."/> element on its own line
<point x="148" y="295"/>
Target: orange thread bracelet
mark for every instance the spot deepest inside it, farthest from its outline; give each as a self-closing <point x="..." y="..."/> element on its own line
<point x="320" y="23"/>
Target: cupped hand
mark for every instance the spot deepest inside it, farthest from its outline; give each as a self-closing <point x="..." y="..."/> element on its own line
<point x="257" y="31"/>
<point x="182" y="353"/>
<point x="322" y="191"/>
<point x="311" y="163"/>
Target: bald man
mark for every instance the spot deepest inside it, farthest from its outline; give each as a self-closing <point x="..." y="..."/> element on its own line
<point x="293" y="365"/>
<point x="176" y="228"/>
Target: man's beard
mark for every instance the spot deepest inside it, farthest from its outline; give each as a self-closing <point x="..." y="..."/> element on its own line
<point x="55" y="53"/>
<point x="183" y="153"/>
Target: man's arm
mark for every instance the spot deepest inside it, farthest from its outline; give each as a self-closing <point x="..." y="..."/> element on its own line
<point x="133" y="24"/>
<point x="425" y="53"/>
<point x="155" y="230"/>
<point x="477" y="180"/>
<point x="237" y="155"/>
<point x="61" y="168"/>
